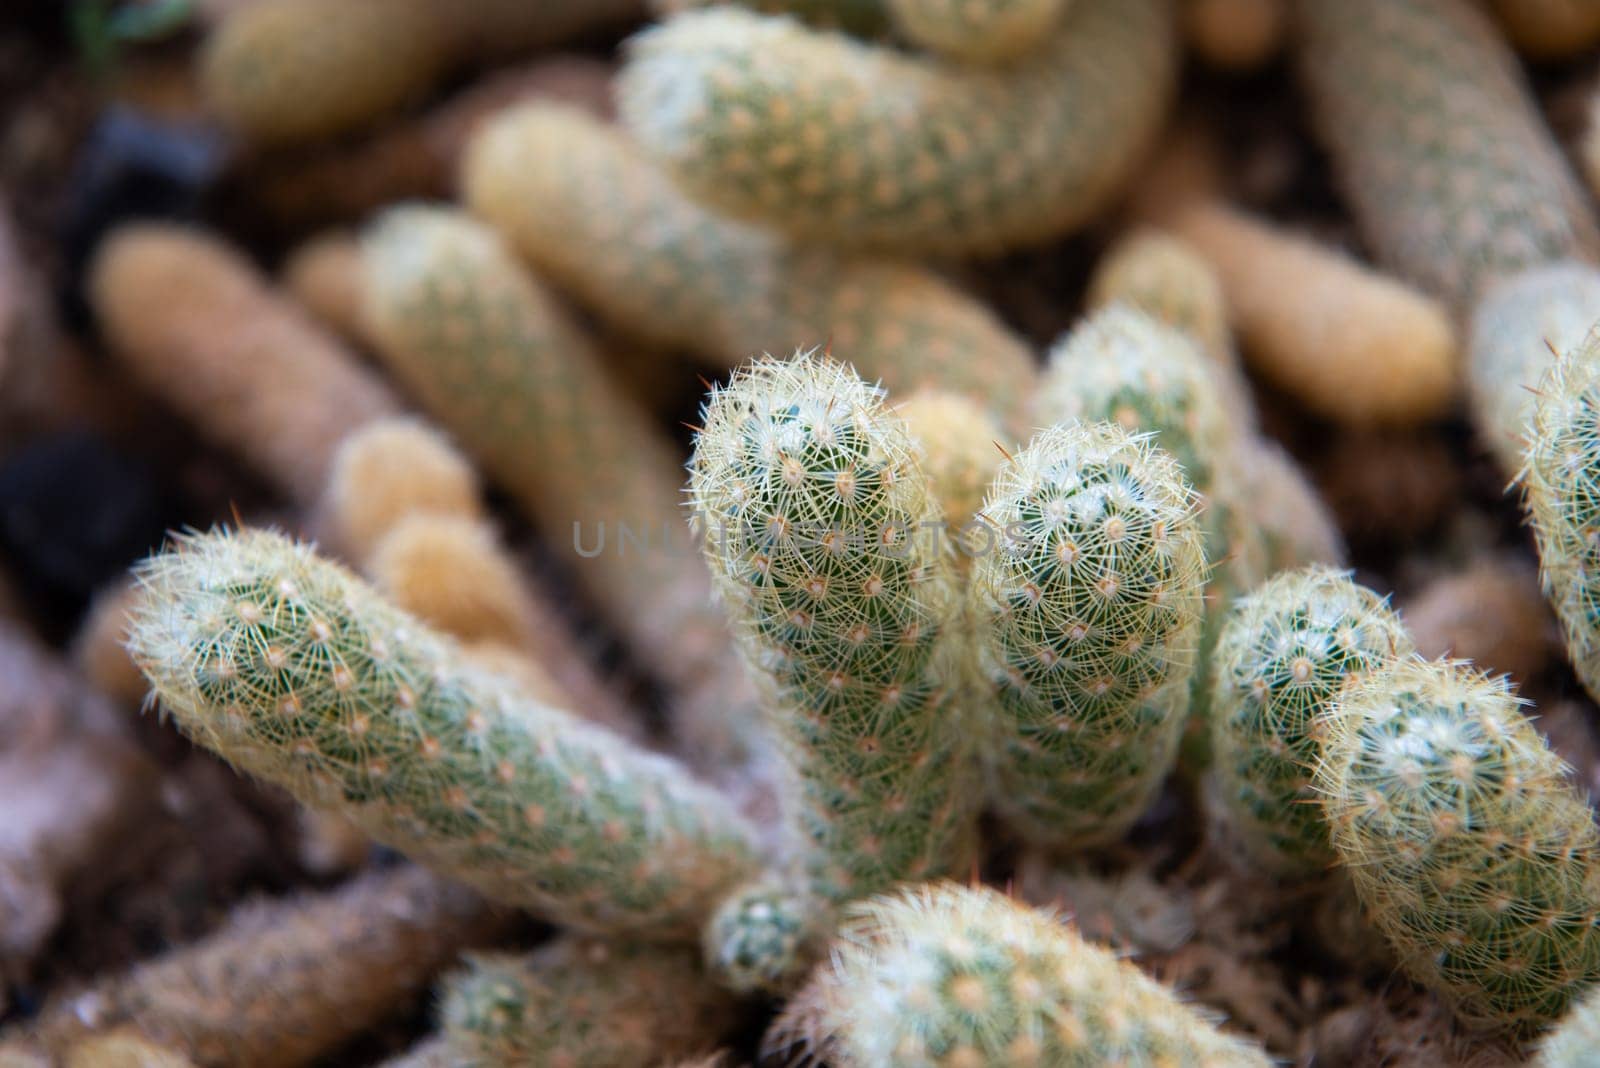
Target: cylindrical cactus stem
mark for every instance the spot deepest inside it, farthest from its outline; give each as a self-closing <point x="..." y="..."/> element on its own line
<point x="287" y="981"/>
<point x="1549" y="29"/>
<point x="826" y="543"/>
<point x="964" y="976"/>
<point x="1573" y="1041"/>
<point x="295" y="70"/>
<point x="985" y="31"/>
<point x="299" y="673"/>
<point x="579" y="1002"/>
<point x="960" y="452"/>
<point x="1467" y="843"/>
<point x="581" y="202"/>
<point x="895" y="152"/>
<point x="501" y="364"/>
<point x="1285" y="652"/>
<point x="1562" y="483"/>
<point x="1235" y="35"/>
<point x="436" y="1051"/>
<point x="1452" y="175"/>
<point x="201" y="328"/>
<point x="1518" y="329"/>
<point x="1294" y="523"/>
<point x="1088" y="612"/>
<point x="1347" y="342"/>
<point x="1121" y="366"/>
<point x="1162" y="276"/>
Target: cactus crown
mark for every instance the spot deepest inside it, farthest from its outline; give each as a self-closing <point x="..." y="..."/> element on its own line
<point x="1088" y="611"/>
<point x="1284" y="654"/>
<point x="1562" y="479"/>
<point x="824" y="537"/>
<point x="944" y="975"/>
<point x="1465" y="840"/>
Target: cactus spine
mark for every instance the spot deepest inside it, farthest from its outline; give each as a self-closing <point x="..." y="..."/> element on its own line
<point x="581" y="202"/>
<point x="817" y="518"/>
<point x="297" y="672"/>
<point x="1562" y="480"/>
<point x="1453" y="177"/>
<point x="578" y="1002"/>
<point x="832" y="140"/>
<point x="1467" y="843"/>
<point x="1294" y="524"/>
<point x="1517" y="329"/>
<point x="945" y="975"/>
<point x="1088" y="614"/>
<point x="1284" y="654"/>
<point x="1163" y="277"/>
<point x="960" y="450"/>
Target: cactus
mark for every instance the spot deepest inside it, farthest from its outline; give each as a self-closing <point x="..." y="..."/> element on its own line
<point x="1235" y="35"/>
<point x="1572" y="1042"/>
<point x="1466" y="840"/>
<point x="1123" y="367"/>
<point x="1491" y="613"/>
<point x="501" y="364"/>
<point x="1347" y="342"/>
<point x="295" y="70"/>
<point x="762" y="937"/>
<point x="284" y="982"/>
<point x="1169" y="281"/>
<point x="960" y="452"/>
<point x="1293" y="523"/>
<point x="297" y="672"/>
<point x="584" y="205"/>
<point x="201" y="328"/>
<point x="1452" y="175"/>
<point x="1562" y="482"/>
<point x="1517" y="330"/>
<point x="1285" y="652"/>
<point x="389" y="470"/>
<point x="956" y="976"/>
<point x="816" y="521"/>
<point x="832" y="140"/>
<point x="579" y="1002"/>
<point x="988" y="31"/>
<point x="1088" y="614"/>
<point x="323" y="274"/>
<point x="1549" y="29"/>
